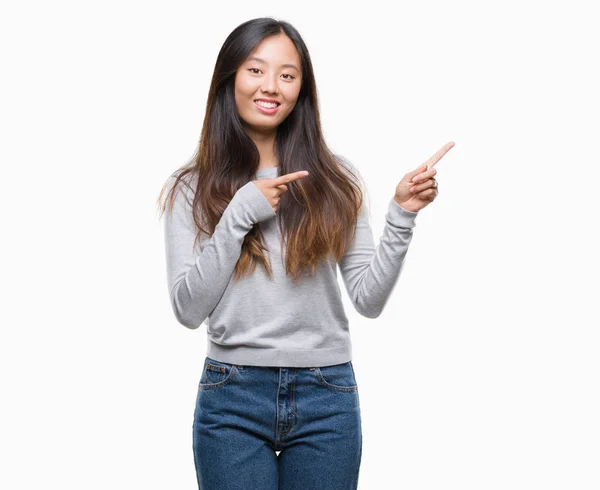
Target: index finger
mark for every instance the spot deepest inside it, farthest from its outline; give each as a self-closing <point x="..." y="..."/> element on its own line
<point x="439" y="154"/>
<point x="284" y="179"/>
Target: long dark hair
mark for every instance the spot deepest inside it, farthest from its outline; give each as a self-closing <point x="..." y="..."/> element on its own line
<point x="317" y="215"/>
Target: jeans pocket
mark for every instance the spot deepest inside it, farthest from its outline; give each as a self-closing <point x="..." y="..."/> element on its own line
<point x="216" y="374"/>
<point x="337" y="377"/>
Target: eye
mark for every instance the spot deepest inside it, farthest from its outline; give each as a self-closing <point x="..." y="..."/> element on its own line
<point x="291" y="77"/>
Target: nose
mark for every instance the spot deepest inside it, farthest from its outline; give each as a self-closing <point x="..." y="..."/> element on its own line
<point x="270" y="84"/>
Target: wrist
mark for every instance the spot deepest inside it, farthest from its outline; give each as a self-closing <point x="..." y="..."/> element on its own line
<point x="404" y="206"/>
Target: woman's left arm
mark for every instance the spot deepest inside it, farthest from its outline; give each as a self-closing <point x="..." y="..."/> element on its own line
<point x="370" y="273"/>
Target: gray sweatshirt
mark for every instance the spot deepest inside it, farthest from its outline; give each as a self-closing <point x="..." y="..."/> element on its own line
<point x="261" y="322"/>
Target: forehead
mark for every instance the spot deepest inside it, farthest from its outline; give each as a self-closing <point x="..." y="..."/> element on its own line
<point x="276" y="51"/>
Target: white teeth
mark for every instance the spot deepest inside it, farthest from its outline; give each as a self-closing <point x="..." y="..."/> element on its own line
<point x="266" y="104"/>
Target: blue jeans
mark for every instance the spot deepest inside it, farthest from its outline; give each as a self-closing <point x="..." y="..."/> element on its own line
<point x="244" y="414"/>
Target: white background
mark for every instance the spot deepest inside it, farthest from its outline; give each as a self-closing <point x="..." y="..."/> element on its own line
<point x="483" y="370"/>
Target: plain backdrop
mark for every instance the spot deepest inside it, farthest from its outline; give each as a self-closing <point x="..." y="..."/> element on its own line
<point x="483" y="370"/>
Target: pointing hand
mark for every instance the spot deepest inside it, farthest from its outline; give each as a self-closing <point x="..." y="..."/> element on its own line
<point x="418" y="188"/>
<point x="273" y="188"/>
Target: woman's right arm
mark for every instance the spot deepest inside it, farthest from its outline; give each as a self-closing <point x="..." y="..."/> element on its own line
<point x="198" y="279"/>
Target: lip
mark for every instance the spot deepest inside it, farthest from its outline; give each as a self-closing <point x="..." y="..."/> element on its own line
<point x="264" y="99"/>
<point x="267" y="110"/>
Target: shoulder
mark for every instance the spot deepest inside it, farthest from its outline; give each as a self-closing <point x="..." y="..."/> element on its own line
<point x="354" y="174"/>
<point x="350" y="170"/>
<point x="346" y="164"/>
<point x="180" y="190"/>
<point x="184" y="182"/>
<point x="188" y="180"/>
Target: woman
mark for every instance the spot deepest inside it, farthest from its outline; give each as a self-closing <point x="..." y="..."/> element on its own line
<point x="258" y="222"/>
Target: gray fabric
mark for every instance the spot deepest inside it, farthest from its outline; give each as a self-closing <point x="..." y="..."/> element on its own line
<point x="262" y="322"/>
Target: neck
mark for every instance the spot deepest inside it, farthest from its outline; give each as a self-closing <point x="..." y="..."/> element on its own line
<point x="265" y="143"/>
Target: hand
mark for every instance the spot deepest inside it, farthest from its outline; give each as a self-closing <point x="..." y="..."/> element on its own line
<point x="273" y="188"/>
<point x="416" y="189"/>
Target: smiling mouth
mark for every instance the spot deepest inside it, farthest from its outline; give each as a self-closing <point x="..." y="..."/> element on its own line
<point x="267" y="105"/>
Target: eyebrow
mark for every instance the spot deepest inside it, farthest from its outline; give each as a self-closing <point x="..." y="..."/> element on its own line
<point x="285" y="65"/>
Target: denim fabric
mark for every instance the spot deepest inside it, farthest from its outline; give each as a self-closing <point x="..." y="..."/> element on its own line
<point x="244" y="414"/>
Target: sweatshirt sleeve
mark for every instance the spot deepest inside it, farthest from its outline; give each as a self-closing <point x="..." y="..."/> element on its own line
<point x="198" y="278"/>
<point x="370" y="273"/>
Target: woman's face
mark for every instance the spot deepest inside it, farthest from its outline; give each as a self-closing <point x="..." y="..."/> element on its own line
<point x="277" y="75"/>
